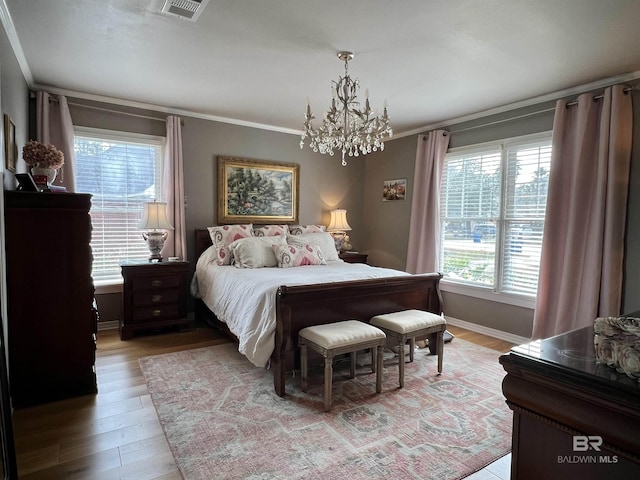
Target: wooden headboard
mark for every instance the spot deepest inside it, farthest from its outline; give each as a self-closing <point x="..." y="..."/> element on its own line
<point x="203" y="241"/>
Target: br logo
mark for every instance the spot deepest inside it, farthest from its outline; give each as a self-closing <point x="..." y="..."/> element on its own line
<point x="583" y="443"/>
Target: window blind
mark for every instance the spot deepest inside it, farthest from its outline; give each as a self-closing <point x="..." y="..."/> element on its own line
<point x="493" y="203"/>
<point x="122" y="172"/>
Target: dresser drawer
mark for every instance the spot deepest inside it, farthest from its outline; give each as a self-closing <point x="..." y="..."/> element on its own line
<point x="159" y="297"/>
<point x="154" y="283"/>
<point x="159" y="312"/>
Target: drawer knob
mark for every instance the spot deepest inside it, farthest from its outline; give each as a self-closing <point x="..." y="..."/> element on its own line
<point x="156" y="283"/>
<point x="156" y="298"/>
<point x="156" y="312"/>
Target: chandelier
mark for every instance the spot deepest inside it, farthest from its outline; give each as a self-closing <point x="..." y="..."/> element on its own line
<point x="347" y="127"/>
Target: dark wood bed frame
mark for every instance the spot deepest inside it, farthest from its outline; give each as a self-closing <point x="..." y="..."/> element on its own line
<point x="301" y="306"/>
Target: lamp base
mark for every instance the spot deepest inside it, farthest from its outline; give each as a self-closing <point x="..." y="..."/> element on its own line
<point x="155" y="242"/>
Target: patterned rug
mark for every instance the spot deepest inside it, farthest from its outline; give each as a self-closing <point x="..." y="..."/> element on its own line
<point x="224" y="421"/>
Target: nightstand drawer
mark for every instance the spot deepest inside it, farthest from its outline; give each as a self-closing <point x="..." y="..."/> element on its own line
<point x="153" y="283"/>
<point x="159" y="297"/>
<point x="143" y="314"/>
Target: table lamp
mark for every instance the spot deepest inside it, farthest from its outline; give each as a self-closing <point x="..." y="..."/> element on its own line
<point x="154" y="219"/>
<point x="338" y="226"/>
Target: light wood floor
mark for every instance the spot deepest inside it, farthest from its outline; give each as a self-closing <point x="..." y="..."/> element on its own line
<point x="116" y="433"/>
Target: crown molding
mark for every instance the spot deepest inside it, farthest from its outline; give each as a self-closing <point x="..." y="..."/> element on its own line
<point x="12" y="35"/>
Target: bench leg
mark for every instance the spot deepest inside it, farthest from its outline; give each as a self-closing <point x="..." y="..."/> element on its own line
<point x="401" y="362"/>
<point x="328" y="377"/>
<point x="303" y="367"/>
<point x="374" y="359"/>
<point x="379" y="359"/>
<point x="412" y="347"/>
<point x="353" y="364"/>
<point x="440" y="350"/>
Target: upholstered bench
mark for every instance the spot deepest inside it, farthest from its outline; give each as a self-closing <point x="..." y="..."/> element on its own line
<point x="409" y="324"/>
<point x="338" y="338"/>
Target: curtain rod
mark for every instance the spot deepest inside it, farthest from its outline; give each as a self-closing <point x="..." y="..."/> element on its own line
<point x="530" y="114"/>
<point x="496" y="122"/>
<point x="598" y="97"/>
<point x="109" y="110"/>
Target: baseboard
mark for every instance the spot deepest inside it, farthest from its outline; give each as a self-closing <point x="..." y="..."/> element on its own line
<point x="110" y="325"/>
<point x="491" y="332"/>
<point x="115" y="324"/>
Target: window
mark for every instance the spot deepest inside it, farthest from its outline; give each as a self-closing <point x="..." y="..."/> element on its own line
<point x="122" y="171"/>
<point x="493" y="202"/>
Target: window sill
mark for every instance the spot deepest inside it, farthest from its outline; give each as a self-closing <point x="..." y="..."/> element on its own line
<point x="488" y="294"/>
<point x="107" y="286"/>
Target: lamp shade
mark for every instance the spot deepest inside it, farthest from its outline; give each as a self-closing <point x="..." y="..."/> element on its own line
<point x="338" y="222"/>
<point x="155" y="217"/>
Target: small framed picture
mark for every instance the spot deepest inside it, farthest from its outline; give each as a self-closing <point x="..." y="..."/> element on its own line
<point x="26" y="183"/>
<point x="394" y="190"/>
<point x="10" y="148"/>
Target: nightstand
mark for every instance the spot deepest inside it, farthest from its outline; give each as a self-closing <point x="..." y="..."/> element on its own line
<point x="353" y="257"/>
<point x="154" y="296"/>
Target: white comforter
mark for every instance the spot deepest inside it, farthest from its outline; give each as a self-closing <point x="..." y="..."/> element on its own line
<point x="245" y="298"/>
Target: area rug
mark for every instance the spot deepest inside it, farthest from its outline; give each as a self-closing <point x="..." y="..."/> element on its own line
<point x="223" y="420"/>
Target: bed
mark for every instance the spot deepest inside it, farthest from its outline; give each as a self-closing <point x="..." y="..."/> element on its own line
<point x="302" y="305"/>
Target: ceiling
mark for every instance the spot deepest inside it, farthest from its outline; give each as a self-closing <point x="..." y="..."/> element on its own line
<point x="255" y="62"/>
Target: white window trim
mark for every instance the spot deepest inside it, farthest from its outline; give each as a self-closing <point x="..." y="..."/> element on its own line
<point x="117" y="136"/>
<point x="477" y="291"/>
<point x="487" y="293"/>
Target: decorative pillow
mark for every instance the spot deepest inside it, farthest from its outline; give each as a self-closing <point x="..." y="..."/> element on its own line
<point x="300" y="229"/>
<point x="270" y="230"/>
<point x="223" y="236"/>
<point x="298" y="255"/>
<point x="323" y="240"/>
<point x="255" y="252"/>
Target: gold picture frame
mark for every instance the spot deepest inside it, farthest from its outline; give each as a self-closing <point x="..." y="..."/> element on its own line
<point x="257" y="191"/>
<point x="10" y="147"/>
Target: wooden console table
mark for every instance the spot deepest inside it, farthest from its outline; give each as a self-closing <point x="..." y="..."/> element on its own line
<point x="572" y="417"/>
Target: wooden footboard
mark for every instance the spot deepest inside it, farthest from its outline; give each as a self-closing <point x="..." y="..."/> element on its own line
<point x="301" y="306"/>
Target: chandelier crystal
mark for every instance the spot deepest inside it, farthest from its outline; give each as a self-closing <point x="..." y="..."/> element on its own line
<point x="346" y="126"/>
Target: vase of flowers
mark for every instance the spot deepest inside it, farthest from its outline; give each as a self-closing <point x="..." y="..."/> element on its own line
<point x="44" y="159"/>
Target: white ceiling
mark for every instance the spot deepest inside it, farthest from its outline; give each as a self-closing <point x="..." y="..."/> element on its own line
<point x="255" y="62"/>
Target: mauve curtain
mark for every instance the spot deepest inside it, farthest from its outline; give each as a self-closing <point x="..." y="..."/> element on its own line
<point x="424" y="227"/>
<point x="173" y="182"/>
<point x="54" y="126"/>
<point x="581" y="268"/>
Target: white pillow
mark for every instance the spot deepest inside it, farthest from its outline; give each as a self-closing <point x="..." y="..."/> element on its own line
<point x="255" y="252"/>
<point x="323" y="240"/>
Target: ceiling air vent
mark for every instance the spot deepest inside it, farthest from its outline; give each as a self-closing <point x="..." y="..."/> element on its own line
<point x="189" y="9"/>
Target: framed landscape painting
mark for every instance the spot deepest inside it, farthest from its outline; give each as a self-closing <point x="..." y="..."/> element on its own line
<point x="257" y="191"/>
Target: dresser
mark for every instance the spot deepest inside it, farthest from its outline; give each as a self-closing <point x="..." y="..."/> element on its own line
<point x="572" y="417"/>
<point x="154" y="296"/>
<point x="52" y="317"/>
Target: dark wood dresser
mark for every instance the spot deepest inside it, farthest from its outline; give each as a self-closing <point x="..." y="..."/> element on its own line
<point x="572" y="417"/>
<point x="353" y="257"/>
<point x="52" y="318"/>
<point x="154" y="296"/>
